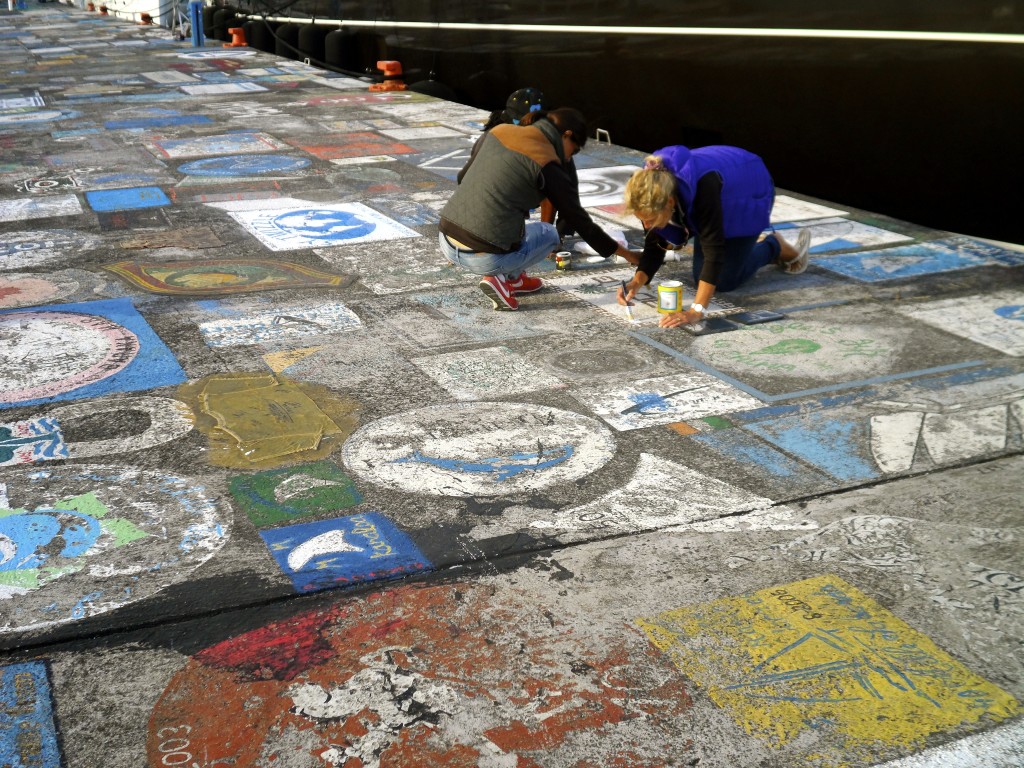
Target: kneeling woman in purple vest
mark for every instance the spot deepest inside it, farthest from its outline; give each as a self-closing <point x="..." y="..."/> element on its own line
<point x="722" y="198"/>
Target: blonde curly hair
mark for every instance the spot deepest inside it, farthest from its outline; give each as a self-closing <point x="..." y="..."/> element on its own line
<point x="649" y="190"/>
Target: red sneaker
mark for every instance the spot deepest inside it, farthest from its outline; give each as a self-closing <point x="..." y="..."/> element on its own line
<point x="524" y="284"/>
<point x="497" y="289"/>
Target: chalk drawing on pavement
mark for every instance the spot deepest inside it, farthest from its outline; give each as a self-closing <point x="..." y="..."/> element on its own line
<point x="327" y="554"/>
<point x="345" y="145"/>
<point x="345" y="685"/>
<point x="262" y="421"/>
<point x="284" y="495"/>
<point x="604" y="186"/>
<point x="23" y="208"/>
<point x="212" y="89"/>
<point x="24" y="289"/>
<point x="245" y="165"/>
<point x="26" y="717"/>
<point x="283" y="323"/>
<point x="45" y="185"/>
<point x="445" y="162"/>
<point x="901" y="261"/>
<point x="968" y="422"/>
<point x="31" y="440"/>
<point x="600" y="290"/>
<point x="788" y="208"/>
<point x="821" y="656"/>
<point x="215" y="277"/>
<point x="804" y="349"/>
<point x="835" y="234"/>
<point x="994" y="319"/>
<point x="981" y="577"/>
<point x="661" y="494"/>
<point x="422" y="132"/>
<point x="481" y="449"/>
<point x="485" y="373"/>
<point x="168" y="419"/>
<point x="665" y="399"/>
<point x="223" y="144"/>
<point x="289" y="224"/>
<point x="70" y="351"/>
<point x="218" y="54"/>
<point x="81" y="540"/>
<point x="14" y="118"/>
<point x="126" y="199"/>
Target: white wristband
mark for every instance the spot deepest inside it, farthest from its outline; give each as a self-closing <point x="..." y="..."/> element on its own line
<point x="697" y="307"/>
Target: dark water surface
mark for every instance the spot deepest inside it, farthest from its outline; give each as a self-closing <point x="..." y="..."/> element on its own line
<point x="930" y="132"/>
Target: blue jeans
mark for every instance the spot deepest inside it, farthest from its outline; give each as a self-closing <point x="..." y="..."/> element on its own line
<point x="539" y="241"/>
<point x="743" y="257"/>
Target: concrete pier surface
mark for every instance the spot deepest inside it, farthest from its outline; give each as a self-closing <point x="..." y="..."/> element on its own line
<point x="278" y="488"/>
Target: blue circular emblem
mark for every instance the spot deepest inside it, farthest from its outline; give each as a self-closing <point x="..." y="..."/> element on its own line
<point x="244" y="165"/>
<point x="323" y="224"/>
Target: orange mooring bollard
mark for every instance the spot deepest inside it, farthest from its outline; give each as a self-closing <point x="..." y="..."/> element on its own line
<point x="392" y="77"/>
<point x="145" y="18"/>
<point x="237" y="38"/>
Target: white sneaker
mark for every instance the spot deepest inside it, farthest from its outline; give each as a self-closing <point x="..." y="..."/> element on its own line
<point x="803" y="253"/>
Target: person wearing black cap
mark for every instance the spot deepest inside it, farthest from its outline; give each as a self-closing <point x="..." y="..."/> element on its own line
<point x="484" y="226"/>
<point x="519" y="104"/>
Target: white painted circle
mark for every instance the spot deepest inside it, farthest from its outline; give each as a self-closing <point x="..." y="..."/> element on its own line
<point x="126" y="534"/>
<point x="49" y="353"/>
<point x="479" y="449"/>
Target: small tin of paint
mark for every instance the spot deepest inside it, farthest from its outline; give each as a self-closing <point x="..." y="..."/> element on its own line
<point x="670" y="296"/>
<point x="563" y="260"/>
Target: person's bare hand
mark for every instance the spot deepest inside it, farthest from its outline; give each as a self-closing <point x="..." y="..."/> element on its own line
<point x="673" y="319"/>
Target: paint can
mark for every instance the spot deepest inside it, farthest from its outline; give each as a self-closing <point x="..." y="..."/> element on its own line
<point x="670" y="296"/>
<point x="563" y="260"/>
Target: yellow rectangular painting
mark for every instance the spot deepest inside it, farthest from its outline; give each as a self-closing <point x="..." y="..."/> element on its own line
<point x="821" y="656"/>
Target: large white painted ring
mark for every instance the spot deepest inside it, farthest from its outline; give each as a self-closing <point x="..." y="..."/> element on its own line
<point x="478" y="449"/>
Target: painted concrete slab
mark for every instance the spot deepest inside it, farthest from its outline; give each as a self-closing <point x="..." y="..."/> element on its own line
<point x="995" y="319"/>
<point x="69" y="351"/>
<point x="485" y="373"/>
<point x="292" y="224"/>
<point x="835" y="234"/>
<point x="664" y="400"/>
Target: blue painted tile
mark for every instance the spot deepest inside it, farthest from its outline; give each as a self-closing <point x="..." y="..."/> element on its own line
<point x="28" y="735"/>
<point x="127" y="199"/>
<point x="349" y="550"/>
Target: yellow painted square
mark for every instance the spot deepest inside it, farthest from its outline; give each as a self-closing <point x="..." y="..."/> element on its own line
<point x="819" y="654"/>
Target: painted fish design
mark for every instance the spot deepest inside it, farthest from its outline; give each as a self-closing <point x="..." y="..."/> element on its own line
<point x="502" y="467"/>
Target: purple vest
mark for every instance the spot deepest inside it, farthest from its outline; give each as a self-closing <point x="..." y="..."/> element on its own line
<point x="748" y="192"/>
